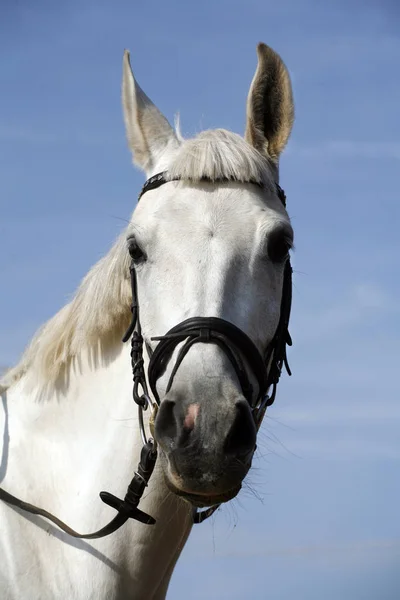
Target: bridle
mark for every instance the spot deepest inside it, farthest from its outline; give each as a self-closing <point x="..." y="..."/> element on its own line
<point x="233" y="342"/>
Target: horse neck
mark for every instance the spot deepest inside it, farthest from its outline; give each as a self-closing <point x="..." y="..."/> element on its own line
<point x="63" y="451"/>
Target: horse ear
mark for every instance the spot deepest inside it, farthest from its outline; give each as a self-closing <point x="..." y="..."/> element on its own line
<point x="148" y="131"/>
<point x="270" y="109"/>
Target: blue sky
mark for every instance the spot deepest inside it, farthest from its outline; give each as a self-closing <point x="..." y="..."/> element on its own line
<point x="321" y="517"/>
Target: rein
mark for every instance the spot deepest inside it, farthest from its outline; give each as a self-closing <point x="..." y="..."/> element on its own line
<point x="207" y="330"/>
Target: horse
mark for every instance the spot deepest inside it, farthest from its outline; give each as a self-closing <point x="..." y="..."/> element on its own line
<point x="201" y="280"/>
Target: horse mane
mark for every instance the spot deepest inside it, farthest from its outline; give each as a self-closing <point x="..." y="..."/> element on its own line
<point x="96" y="315"/>
<point x="219" y="154"/>
<point x="100" y="310"/>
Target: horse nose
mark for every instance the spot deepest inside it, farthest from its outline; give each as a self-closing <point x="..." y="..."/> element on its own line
<point x="179" y="426"/>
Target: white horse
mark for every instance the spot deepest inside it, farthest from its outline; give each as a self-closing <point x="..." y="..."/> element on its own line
<point x="212" y="241"/>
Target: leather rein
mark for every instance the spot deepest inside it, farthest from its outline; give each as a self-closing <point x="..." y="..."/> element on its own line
<point x="235" y="344"/>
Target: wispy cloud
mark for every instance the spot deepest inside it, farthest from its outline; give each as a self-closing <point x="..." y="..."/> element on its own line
<point x="346" y="149"/>
<point x="29" y="135"/>
<point x="351" y="51"/>
<point x="386" y="411"/>
<point x="347" y="434"/>
<point x="371" y="295"/>
<point x="354" y="549"/>
<point x="330" y="318"/>
<point x="342" y="449"/>
<point x="349" y="549"/>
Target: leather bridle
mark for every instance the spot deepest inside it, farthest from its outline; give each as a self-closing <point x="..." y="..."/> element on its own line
<point x="236" y="345"/>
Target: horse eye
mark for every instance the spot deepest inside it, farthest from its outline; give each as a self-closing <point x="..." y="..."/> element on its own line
<point x="279" y="244"/>
<point x="135" y="251"/>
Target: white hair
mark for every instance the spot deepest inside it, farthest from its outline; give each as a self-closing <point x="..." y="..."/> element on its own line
<point x="219" y="154"/>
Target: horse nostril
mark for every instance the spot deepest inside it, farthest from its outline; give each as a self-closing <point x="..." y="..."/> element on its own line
<point x="165" y="425"/>
<point x="241" y="438"/>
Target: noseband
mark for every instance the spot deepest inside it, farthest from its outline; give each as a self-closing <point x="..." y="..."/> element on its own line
<point x="237" y="346"/>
